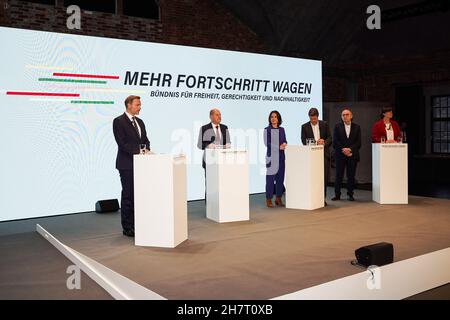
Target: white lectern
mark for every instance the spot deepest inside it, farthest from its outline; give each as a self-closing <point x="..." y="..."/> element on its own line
<point x="390" y="173"/>
<point x="160" y="200"/>
<point x="304" y="177"/>
<point x="227" y="197"/>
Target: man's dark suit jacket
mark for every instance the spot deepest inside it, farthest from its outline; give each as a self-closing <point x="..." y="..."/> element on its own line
<point x="207" y="136"/>
<point x="353" y="142"/>
<point x="325" y="134"/>
<point x="128" y="140"/>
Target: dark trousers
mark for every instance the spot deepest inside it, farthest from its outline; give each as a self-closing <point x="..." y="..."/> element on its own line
<point x="349" y="165"/>
<point x="275" y="182"/>
<point x="327" y="166"/>
<point x="127" y="199"/>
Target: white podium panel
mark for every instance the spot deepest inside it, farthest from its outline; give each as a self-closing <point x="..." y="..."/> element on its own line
<point x="304" y="177"/>
<point x="160" y="200"/>
<point x="227" y="197"/>
<point x="390" y="173"/>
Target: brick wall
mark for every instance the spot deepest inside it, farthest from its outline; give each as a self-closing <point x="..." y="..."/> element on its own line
<point x="377" y="80"/>
<point x="206" y="23"/>
<point x="186" y="22"/>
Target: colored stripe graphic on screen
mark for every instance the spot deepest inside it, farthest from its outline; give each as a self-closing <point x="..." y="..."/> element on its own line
<point x="45" y="94"/>
<point x="64" y="86"/>
<point x="73" y="80"/>
<point x="79" y="75"/>
<point x="91" y="102"/>
<point x="51" y="99"/>
<point x="113" y="90"/>
<point x="48" y="67"/>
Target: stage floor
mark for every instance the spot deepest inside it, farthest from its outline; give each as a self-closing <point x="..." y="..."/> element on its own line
<point x="277" y="252"/>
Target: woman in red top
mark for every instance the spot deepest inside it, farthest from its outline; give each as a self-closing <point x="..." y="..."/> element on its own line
<point x="386" y="128"/>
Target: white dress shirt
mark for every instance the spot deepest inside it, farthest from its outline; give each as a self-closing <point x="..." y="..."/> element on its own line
<point x="137" y="123"/>
<point x="316" y="131"/>
<point x="217" y="132"/>
<point x="347" y="129"/>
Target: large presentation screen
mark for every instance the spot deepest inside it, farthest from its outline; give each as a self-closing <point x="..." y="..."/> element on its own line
<point x="59" y="94"/>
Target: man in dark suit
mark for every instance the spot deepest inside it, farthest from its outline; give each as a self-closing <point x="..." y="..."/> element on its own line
<point x="346" y="143"/>
<point x="212" y="135"/>
<point x="319" y="131"/>
<point x="129" y="132"/>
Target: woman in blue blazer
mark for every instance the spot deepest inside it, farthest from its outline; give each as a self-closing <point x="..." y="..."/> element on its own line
<point x="275" y="141"/>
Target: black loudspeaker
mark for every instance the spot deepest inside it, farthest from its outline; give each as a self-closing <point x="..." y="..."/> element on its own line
<point x="377" y="254"/>
<point x="103" y="206"/>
